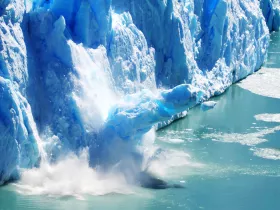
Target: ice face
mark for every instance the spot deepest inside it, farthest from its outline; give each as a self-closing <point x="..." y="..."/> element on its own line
<point x="20" y="144"/>
<point x="271" y="12"/>
<point x="89" y="73"/>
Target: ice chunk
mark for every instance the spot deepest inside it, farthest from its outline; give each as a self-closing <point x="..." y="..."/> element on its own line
<point x="249" y="139"/>
<point x="139" y="112"/>
<point x="205" y="106"/>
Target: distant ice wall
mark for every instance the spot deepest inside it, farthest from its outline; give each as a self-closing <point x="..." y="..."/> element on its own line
<point x="193" y="38"/>
<point x="271" y="12"/>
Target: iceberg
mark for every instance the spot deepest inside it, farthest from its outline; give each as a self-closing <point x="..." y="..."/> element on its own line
<point x="96" y="73"/>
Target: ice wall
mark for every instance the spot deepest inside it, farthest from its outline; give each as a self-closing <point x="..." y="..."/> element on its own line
<point x="271" y="12"/>
<point x="19" y="140"/>
<point x="89" y="73"/>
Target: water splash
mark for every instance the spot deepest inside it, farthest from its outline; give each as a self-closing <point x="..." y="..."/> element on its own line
<point x="93" y="92"/>
<point x="71" y="176"/>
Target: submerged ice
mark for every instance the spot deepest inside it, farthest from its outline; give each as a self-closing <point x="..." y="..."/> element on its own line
<point x="101" y="73"/>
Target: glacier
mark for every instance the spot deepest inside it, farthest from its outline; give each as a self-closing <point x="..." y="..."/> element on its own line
<point x="95" y="73"/>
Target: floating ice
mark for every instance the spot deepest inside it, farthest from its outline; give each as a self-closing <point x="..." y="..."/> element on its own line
<point x="208" y="105"/>
<point x="265" y="83"/>
<point x="249" y="139"/>
<point x="170" y="140"/>
<point x="267" y="153"/>
<point x="268" y="117"/>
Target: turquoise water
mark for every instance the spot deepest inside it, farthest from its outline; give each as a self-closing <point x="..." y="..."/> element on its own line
<point x="227" y="159"/>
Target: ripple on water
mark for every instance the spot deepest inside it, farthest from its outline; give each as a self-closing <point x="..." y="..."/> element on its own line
<point x="213" y="170"/>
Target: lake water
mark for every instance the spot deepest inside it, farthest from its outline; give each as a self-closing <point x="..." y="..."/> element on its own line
<point x="227" y="158"/>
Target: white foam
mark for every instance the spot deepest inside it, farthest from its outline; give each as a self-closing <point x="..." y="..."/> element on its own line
<point x="71" y="177"/>
<point x="172" y="164"/>
<point x="249" y="139"/>
<point x="171" y="140"/>
<point x="178" y="136"/>
<point x="268" y="117"/>
<point x="265" y="82"/>
<point x="168" y="163"/>
<point x="267" y="153"/>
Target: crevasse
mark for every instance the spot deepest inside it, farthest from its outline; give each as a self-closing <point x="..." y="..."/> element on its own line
<point x="89" y="73"/>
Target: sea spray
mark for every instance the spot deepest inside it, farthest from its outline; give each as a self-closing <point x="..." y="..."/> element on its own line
<point x="71" y="176"/>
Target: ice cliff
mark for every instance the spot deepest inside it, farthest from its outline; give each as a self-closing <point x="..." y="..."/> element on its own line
<point x="271" y="12"/>
<point x="89" y="73"/>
